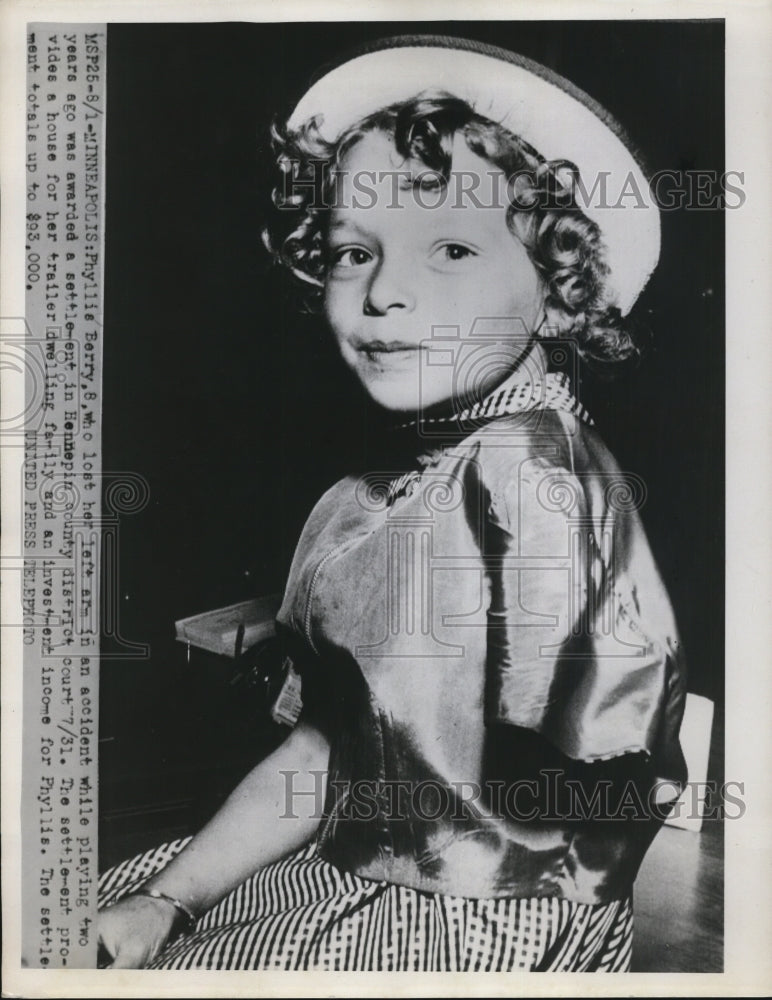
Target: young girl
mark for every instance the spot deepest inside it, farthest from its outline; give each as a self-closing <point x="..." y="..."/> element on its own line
<point x="492" y="684"/>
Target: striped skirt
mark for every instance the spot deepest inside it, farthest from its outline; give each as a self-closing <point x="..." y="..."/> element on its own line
<point x="304" y="913"/>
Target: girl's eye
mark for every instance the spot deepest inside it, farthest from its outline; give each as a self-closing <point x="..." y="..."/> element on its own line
<point x="350" y="257"/>
<point x="455" y="251"/>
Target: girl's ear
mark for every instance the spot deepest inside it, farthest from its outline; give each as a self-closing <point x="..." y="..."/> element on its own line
<point x="540" y="326"/>
<point x="548" y="323"/>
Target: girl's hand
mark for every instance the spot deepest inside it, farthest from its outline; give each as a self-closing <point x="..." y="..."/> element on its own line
<point x="253" y="825"/>
<point x="134" y="930"/>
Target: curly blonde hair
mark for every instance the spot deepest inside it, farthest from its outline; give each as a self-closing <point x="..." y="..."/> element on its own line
<point x="564" y="245"/>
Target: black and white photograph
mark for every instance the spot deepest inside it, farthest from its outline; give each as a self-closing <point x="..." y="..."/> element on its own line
<point x="373" y="583"/>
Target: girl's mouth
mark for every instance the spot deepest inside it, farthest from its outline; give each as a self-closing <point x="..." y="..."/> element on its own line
<point x="377" y="349"/>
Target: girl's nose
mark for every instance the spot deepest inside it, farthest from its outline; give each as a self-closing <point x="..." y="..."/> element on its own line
<point x="390" y="288"/>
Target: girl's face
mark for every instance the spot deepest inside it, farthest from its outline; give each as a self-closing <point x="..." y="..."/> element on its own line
<point x="430" y="296"/>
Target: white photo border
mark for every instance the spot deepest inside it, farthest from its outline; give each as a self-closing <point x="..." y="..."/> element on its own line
<point x="748" y="888"/>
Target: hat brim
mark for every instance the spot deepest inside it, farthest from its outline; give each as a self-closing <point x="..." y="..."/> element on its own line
<point x="555" y="117"/>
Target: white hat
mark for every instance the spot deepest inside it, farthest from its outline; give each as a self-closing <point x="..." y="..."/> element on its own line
<point x="560" y="121"/>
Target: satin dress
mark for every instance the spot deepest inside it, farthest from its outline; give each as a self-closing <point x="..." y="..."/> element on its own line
<point x="482" y="634"/>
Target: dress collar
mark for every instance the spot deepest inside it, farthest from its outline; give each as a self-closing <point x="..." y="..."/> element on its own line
<point x="552" y="391"/>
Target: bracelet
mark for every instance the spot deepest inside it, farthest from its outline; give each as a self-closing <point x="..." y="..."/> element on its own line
<point x="179" y="906"/>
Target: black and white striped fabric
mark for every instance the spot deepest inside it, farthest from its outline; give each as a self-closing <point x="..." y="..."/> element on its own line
<point x="303" y="913"/>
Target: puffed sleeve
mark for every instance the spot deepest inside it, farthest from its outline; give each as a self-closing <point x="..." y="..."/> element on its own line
<point x="581" y="643"/>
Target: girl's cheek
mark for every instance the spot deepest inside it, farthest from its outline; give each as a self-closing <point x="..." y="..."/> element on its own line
<point x="337" y="316"/>
<point x="343" y="300"/>
<point x="328" y="303"/>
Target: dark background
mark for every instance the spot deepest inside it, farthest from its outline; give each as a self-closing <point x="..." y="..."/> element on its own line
<point x="236" y="411"/>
